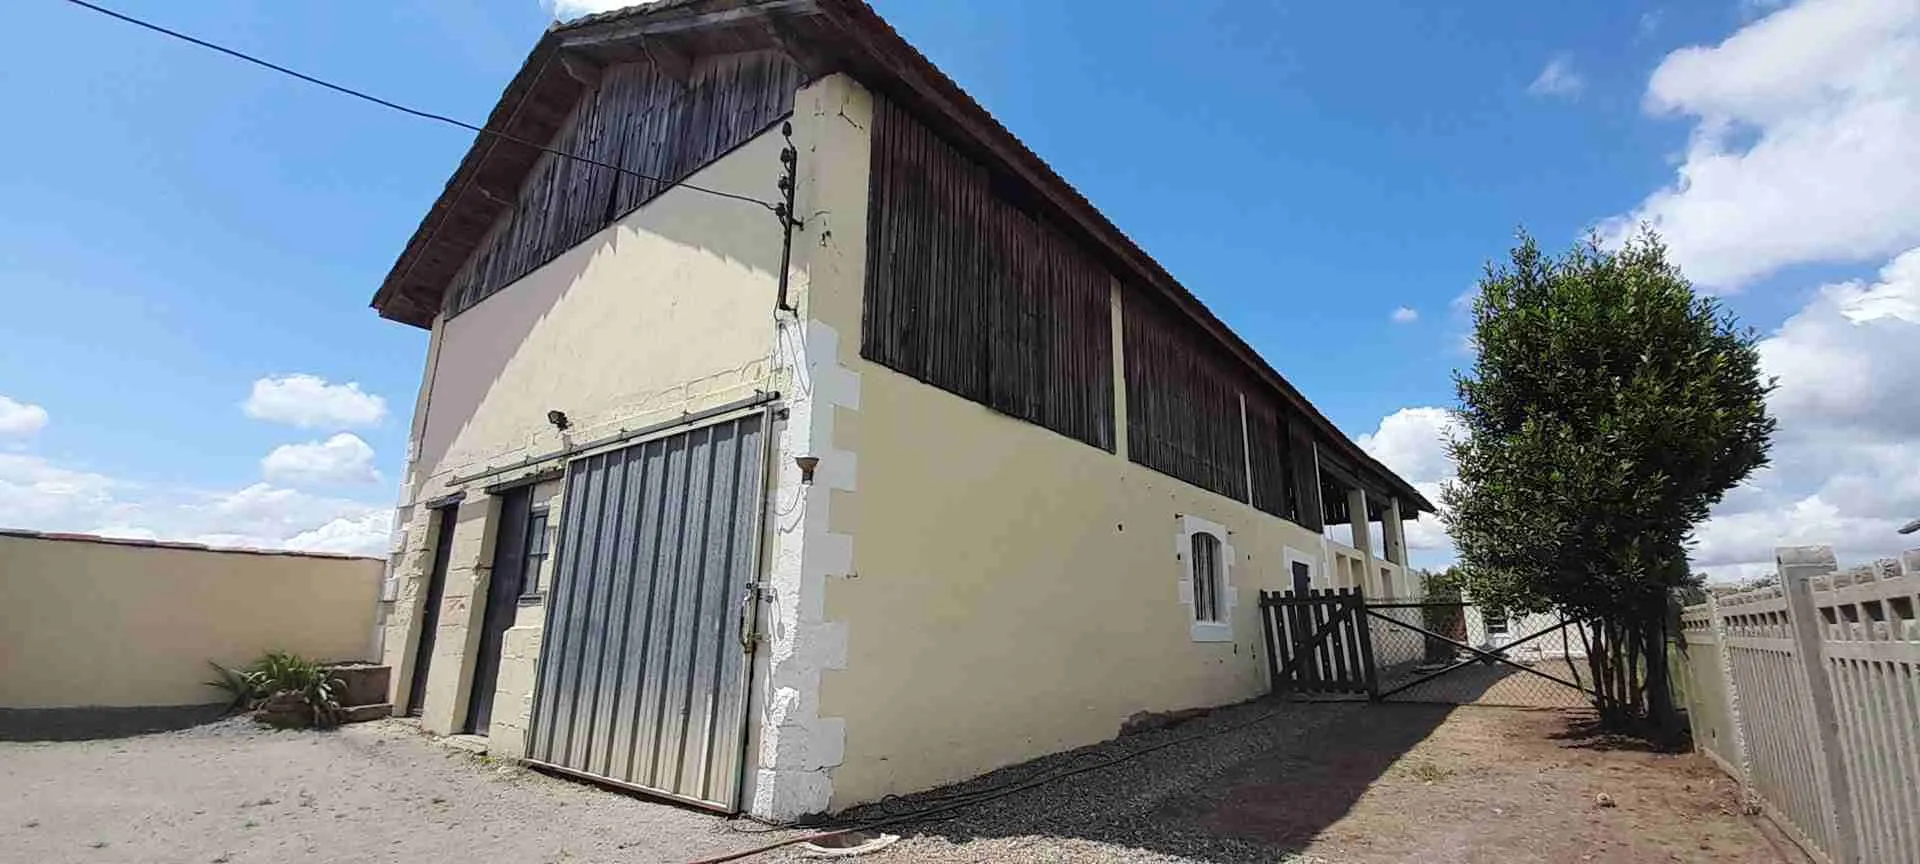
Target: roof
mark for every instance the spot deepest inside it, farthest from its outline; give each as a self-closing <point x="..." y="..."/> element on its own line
<point x="169" y="544"/>
<point x="823" y="36"/>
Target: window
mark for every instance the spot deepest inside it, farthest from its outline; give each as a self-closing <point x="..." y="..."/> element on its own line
<point x="536" y="552"/>
<point x="1204" y="552"/>
<point x="1206" y="578"/>
<point x="1496" y="621"/>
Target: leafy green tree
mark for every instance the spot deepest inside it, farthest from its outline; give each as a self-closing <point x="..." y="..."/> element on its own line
<point x="1693" y="592"/>
<point x="1608" y="409"/>
<point x="1441" y="616"/>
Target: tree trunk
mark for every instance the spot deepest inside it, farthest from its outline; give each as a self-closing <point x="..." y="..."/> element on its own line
<point x="1662" y="715"/>
<point x="1632" y="698"/>
<point x="1566" y="652"/>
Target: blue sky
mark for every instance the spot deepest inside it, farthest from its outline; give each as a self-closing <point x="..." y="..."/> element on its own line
<point x="181" y="226"/>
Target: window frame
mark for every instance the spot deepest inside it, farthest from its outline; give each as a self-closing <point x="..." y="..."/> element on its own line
<point x="1225" y="597"/>
<point x="1204" y="570"/>
<point x="537" y="550"/>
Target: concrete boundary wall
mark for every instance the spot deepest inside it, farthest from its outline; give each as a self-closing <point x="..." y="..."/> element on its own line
<point x="1808" y="693"/>
<point x="119" y="626"/>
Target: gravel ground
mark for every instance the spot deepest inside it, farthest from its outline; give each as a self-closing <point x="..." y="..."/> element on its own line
<point x="1262" y="782"/>
<point x="1351" y="782"/>
<point x="232" y="792"/>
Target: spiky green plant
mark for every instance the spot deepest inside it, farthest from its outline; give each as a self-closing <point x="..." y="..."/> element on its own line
<point x="242" y="687"/>
<point x="279" y="672"/>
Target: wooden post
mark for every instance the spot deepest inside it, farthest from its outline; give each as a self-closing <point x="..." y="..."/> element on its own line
<point x="1798" y="565"/>
<point x="1269" y="625"/>
<point x="1359" y="611"/>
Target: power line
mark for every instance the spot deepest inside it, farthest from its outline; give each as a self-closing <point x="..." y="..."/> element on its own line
<point x="384" y="103"/>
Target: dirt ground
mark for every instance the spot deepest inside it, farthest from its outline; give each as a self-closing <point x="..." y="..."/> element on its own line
<point x="1350" y="782"/>
<point x="1260" y="782"/>
<point x="1491" y="684"/>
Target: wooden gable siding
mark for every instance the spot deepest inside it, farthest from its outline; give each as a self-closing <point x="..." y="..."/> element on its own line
<point x="1269" y="456"/>
<point x="645" y="121"/>
<point x="968" y="292"/>
<point x="1183" y="400"/>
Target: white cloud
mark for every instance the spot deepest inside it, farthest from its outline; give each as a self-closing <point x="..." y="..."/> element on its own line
<point x="368" y="533"/>
<point x="1413" y="442"/>
<point x="20" y="419"/>
<point x="1846" y="466"/>
<point x="1806" y="128"/>
<point x="40" y="495"/>
<point x="1558" y="79"/>
<point x="37" y="494"/>
<point x="1851" y="358"/>
<point x="309" y="401"/>
<point x="565" y="10"/>
<point x="343" y="458"/>
<point x="1405" y="315"/>
<point x="1806" y="131"/>
<point x="1846" y="460"/>
<point x="1650" y="22"/>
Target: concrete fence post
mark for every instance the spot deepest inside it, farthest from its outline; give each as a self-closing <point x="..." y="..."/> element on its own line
<point x="1798" y="566"/>
<point x="1735" y="718"/>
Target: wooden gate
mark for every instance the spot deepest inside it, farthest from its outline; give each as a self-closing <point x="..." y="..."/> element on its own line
<point x="1317" y="642"/>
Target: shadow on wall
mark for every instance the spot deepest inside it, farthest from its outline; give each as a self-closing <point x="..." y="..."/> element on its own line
<point x="1252" y="782"/>
<point x="85" y="724"/>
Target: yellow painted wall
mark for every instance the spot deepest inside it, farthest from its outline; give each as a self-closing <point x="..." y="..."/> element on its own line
<point x="1013" y="592"/>
<point x="667" y="311"/>
<point x="87" y="623"/>
<point x="1016" y="592"/>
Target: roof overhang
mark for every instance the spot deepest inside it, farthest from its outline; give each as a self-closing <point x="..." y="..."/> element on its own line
<point x="822" y="36"/>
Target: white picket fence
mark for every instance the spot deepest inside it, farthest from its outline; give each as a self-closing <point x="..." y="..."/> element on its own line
<point x="1808" y="693"/>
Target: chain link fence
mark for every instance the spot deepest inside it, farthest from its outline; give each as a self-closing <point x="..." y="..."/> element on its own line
<point x="1453" y="652"/>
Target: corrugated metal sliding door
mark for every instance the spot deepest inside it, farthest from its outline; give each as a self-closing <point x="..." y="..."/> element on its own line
<point x="643" y="671"/>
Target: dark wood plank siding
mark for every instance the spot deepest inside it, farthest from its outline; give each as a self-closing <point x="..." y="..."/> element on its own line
<point x="641" y="120"/>
<point x="1305" y="479"/>
<point x="1183" y="401"/>
<point x="1333" y="505"/>
<point x="973" y="294"/>
<point x="1269" y="453"/>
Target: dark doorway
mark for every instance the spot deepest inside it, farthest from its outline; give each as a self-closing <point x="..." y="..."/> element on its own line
<point x="443" y="522"/>
<point x="505" y="582"/>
